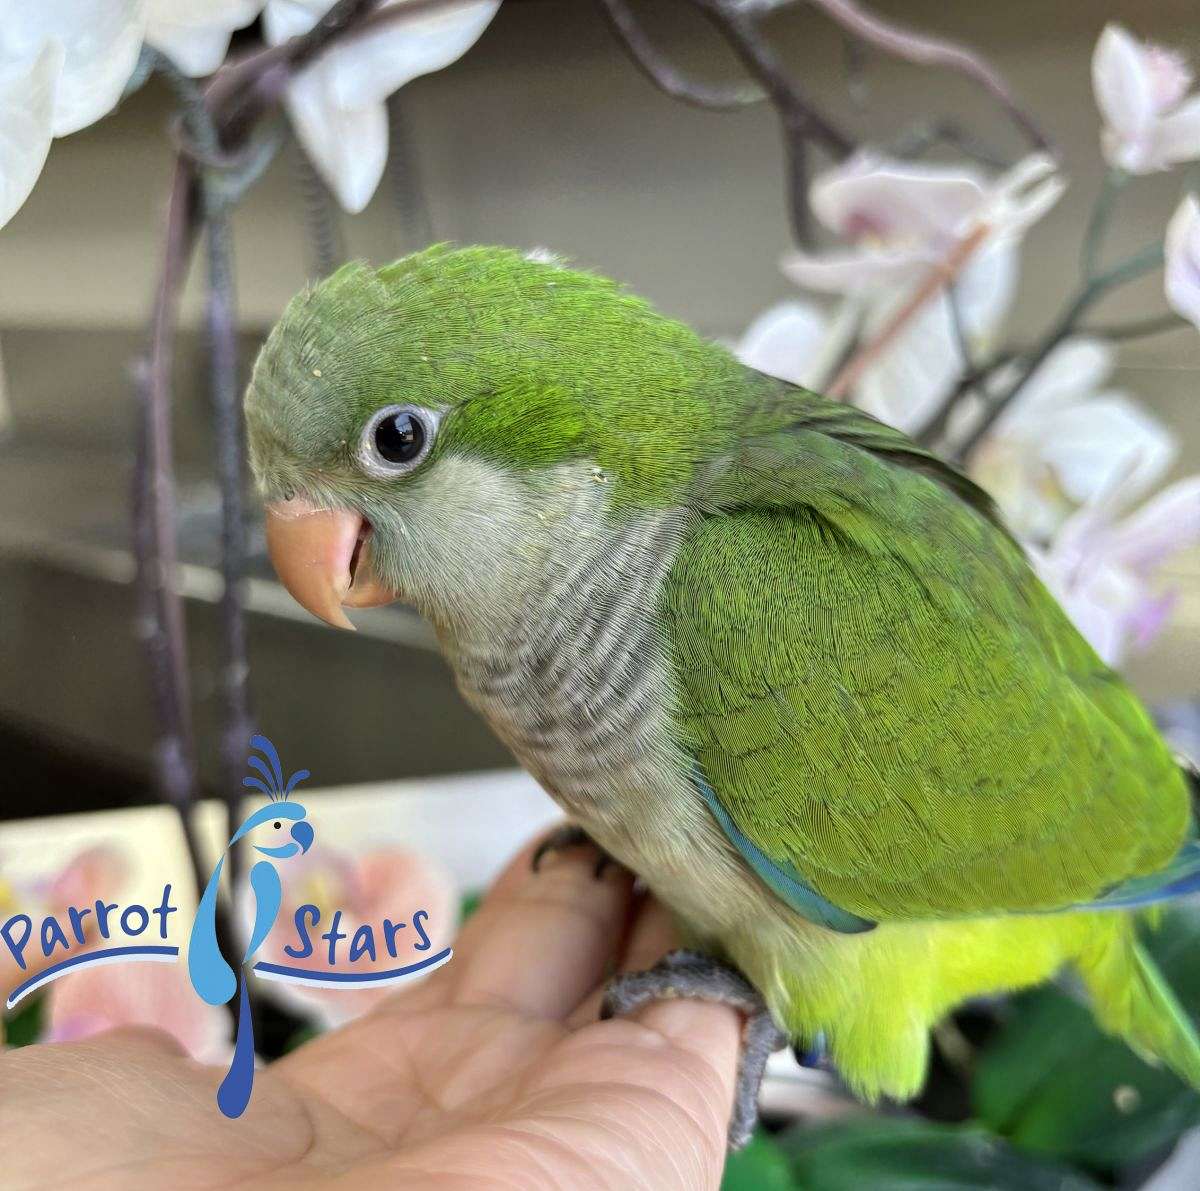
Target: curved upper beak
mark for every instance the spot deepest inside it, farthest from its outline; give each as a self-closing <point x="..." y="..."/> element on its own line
<point x="322" y="557"/>
<point x="303" y="834"/>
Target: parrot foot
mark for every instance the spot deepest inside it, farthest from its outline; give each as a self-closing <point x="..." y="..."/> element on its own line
<point x="693" y="974"/>
<point x="569" y="835"/>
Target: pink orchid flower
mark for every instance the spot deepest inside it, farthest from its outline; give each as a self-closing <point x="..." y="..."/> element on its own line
<point x="1107" y="572"/>
<point x="1150" y="122"/>
<point x="158" y="995"/>
<point x="387" y="883"/>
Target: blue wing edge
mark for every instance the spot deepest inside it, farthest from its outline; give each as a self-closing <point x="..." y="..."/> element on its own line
<point x="781" y="878"/>
<point x="1178" y="879"/>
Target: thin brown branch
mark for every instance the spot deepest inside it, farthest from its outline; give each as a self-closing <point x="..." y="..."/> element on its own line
<point x="937" y="278"/>
<point x="664" y="75"/>
<point x="928" y="50"/>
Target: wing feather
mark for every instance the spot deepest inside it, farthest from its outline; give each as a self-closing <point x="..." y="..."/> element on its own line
<point x="885" y="698"/>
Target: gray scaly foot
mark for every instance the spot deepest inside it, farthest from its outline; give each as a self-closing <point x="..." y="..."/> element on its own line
<point x="570" y="836"/>
<point x="692" y="974"/>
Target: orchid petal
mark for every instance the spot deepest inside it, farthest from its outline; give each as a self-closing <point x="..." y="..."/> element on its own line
<point x="336" y="103"/>
<point x="1177" y="135"/>
<point x="870" y="196"/>
<point x="1107" y="441"/>
<point x="785" y="342"/>
<point x="1122" y="83"/>
<point x="27" y="92"/>
<point x="1023" y="195"/>
<point x="368" y="69"/>
<point x="1101" y="599"/>
<point x="1182" y="251"/>
<point x="1070" y="373"/>
<point x="1164" y="526"/>
<point x="101" y="40"/>
<point x="851" y="271"/>
<point x="348" y="148"/>
<point x="912" y="376"/>
<point x="195" y="35"/>
<point x="986" y="287"/>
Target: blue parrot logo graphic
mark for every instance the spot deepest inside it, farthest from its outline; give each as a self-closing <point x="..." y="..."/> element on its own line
<point x="211" y="974"/>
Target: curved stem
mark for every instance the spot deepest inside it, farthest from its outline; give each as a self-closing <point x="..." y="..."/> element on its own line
<point x="928" y="50"/>
<point x="236" y="727"/>
<point x="646" y="57"/>
<point x="803" y="123"/>
<point x="160" y="606"/>
<point x="1065" y="324"/>
<point x="405" y="176"/>
<point x="1093" y="241"/>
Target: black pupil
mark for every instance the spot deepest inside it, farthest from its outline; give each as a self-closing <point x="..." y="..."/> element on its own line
<point x="278" y="826"/>
<point x="400" y="437"/>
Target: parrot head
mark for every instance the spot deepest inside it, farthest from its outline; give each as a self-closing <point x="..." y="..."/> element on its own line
<point x="270" y="824"/>
<point x="457" y="419"/>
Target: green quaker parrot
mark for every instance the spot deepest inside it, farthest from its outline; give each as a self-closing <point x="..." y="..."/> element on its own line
<point x="771" y="655"/>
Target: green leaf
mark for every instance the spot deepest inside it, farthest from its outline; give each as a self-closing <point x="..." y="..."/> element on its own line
<point x="1053" y="1083"/>
<point x="909" y="1154"/>
<point x="25" y="1025"/>
<point x="469" y="904"/>
<point x="761" y="1166"/>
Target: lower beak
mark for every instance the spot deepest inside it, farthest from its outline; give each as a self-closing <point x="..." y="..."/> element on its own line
<point x="322" y="556"/>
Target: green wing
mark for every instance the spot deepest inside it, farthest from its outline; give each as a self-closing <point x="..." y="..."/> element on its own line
<point x="887" y="701"/>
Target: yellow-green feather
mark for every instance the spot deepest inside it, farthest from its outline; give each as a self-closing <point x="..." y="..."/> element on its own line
<point x="884" y="696"/>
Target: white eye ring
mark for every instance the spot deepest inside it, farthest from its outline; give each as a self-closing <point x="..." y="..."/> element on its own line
<point x="391" y="446"/>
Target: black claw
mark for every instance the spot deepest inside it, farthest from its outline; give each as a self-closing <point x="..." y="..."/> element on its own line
<point x="570" y="836"/>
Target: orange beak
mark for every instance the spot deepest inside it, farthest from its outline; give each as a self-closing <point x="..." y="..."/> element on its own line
<point x="322" y="556"/>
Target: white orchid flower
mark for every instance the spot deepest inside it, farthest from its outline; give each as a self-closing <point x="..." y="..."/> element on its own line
<point x="1106" y="573"/>
<point x="100" y="41"/>
<point x="1150" y="122"/>
<point x="337" y="104"/>
<point x="912" y="377"/>
<point x="195" y="34"/>
<point x="797" y="342"/>
<point x="1066" y="440"/>
<point x="27" y="90"/>
<point x="1182" y="275"/>
<point x="903" y="218"/>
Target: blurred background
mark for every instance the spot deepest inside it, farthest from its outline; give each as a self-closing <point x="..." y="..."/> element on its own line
<point x="543" y="134"/>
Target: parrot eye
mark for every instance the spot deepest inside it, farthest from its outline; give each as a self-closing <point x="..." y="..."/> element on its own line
<point x="397" y="439"/>
<point x="278" y="826"/>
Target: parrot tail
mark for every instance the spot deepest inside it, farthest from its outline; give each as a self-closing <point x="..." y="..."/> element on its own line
<point x="1131" y="998"/>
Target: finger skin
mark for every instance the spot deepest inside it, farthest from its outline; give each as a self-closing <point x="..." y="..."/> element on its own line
<point x="542" y="940"/>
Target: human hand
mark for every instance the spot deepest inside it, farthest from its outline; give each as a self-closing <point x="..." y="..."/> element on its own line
<point x="494" y="1072"/>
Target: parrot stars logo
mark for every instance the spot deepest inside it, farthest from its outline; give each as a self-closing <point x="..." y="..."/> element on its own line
<point x="280" y="832"/>
<point x="213" y="977"/>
